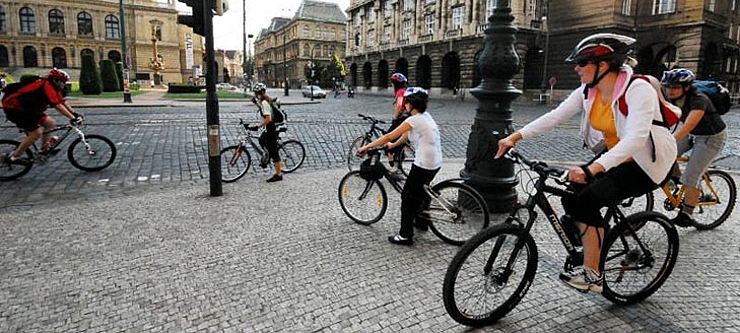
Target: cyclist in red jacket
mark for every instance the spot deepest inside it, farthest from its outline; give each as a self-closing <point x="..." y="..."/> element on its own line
<point x="26" y="109"/>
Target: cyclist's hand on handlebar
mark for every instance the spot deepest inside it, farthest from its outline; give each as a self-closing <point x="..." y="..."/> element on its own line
<point x="77" y="121"/>
<point x="362" y="151"/>
<point x="504" y="145"/>
<point x="253" y="127"/>
<point x="577" y="175"/>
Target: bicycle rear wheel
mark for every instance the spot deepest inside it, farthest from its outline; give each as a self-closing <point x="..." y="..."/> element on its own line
<point x="353" y="161"/>
<point x="8" y="170"/>
<point x="97" y="154"/>
<point x="456" y="212"/>
<point x="716" y="201"/>
<point x="479" y="287"/>
<point x="292" y="153"/>
<point x="637" y="257"/>
<point x="364" y="201"/>
<point x="235" y="162"/>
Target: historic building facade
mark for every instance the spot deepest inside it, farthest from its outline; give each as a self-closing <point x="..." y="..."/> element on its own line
<point x="436" y="42"/>
<point x="36" y="35"/>
<point x="289" y="46"/>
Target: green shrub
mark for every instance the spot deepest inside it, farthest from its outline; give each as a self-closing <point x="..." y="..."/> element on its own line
<point x="90" y="82"/>
<point x="119" y="74"/>
<point x="134" y="85"/>
<point x="108" y="76"/>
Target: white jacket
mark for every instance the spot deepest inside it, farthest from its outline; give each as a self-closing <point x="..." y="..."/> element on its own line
<point x="634" y="130"/>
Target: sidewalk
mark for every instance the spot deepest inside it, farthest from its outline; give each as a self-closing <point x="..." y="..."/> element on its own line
<point x="155" y="98"/>
<point x="283" y="257"/>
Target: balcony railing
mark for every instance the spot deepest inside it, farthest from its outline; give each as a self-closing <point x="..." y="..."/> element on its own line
<point x="425" y="38"/>
<point x="453" y="33"/>
<point x="482" y="28"/>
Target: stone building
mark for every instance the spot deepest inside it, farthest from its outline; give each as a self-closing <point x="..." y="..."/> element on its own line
<point x="436" y="42"/>
<point x="36" y="35"/>
<point x="289" y="46"/>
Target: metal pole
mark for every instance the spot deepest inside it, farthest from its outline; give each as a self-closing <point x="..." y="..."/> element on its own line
<point x="498" y="63"/>
<point x="285" y="65"/>
<point x="212" y="121"/>
<point x="547" y="46"/>
<point x="244" y="30"/>
<point x="126" y="90"/>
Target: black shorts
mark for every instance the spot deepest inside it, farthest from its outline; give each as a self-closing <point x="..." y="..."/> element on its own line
<point x="25" y="120"/>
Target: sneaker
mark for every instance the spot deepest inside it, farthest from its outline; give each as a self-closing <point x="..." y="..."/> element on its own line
<point x="682" y="220"/>
<point x="10" y="159"/>
<point x="275" y="178"/>
<point x="399" y="240"/>
<point x="585" y="280"/>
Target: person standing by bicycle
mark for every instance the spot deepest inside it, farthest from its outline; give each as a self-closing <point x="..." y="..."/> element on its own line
<point x="641" y="149"/>
<point x="269" y="137"/>
<point x="423" y="132"/>
<point x="400" y="82"/>
<point x="703" y="132"/>
<point x="26" y="109"/>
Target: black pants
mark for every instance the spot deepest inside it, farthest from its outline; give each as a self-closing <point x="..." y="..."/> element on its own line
<point x="268" y="139"/>
<point x="623" y="181"/>
<point x="413" y="197"/>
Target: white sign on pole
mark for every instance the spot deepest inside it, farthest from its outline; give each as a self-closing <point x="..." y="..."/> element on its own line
<point x="188" y="51"/>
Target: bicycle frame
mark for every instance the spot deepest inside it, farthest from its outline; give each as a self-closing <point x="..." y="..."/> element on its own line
<point x="676" y="198"/>
<point x="69" y="129"/>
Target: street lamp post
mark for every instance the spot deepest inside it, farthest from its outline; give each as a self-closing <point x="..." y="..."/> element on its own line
<point x="545" y="25"/>
<point x="285" y="66"/>
<point x="126" y="90"/>
<point x="244" y="31"/>
<point x="498" y="63"/>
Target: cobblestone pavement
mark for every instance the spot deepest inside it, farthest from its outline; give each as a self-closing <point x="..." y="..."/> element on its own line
<point x="141" y="246"/>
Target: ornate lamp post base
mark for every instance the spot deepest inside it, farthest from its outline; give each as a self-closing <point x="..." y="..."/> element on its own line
<point x="498" y="63"/>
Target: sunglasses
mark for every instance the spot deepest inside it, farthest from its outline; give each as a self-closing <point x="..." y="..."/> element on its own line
<point x="584" y="63"/>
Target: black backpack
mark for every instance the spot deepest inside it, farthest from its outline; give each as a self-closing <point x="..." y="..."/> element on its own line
<point x="278" y="115"/>
<point x="25" y="80"/>
<point x="718" y="94"/>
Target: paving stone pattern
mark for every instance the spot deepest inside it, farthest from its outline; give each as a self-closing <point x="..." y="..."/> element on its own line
<point x="142" y="247"/>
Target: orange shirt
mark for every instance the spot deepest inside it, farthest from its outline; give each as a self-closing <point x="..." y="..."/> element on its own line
<point x="602" y="119"/>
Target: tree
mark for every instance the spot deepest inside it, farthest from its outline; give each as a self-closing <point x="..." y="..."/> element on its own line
<point x="119" y="73"/>
<point x="108" y="76"/>
<point x="336" y="68"/>
<point x="227" y="77"/>
<point x="90" y="83"/>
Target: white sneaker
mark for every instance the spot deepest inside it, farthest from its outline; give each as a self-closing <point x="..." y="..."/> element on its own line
<point x="587" y="280"/>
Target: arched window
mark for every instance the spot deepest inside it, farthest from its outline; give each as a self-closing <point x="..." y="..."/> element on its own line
<point x="88" y="52"/>
<point x="29" y="57"/>
<point x="84" y="24"/>
<point x="28" y="20"/>
<point x="112" y="28"/>
<point x="59" y="57"/>
<point x="4" y="56"/>
<point x="3" y="19"/>
<point x="56" y="22"/>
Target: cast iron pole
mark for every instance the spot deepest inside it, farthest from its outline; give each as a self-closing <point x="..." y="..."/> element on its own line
<point x="126" y="90"/>
<point x="212" y="122"/>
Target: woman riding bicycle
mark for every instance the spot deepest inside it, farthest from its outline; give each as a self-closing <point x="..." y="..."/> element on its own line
<point x="703" y="132"/>
<point x="640" y="150"/>
<point x="26" y="109"/>
<point x="424" y="135"/>
<point x="400" y="82"/>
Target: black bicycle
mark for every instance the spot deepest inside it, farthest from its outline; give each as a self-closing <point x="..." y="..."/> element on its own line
<point x="88" y="152"/>
<point x="492" y="272"/>
<point x="402" y="160"/>
<point x="236" y="159"/>
<point x="455" y="211"/>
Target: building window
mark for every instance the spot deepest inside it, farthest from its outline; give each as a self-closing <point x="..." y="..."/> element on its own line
<point x="357" y="19"/>
<point x="733" y="5"/>
<point x="386" y="34"/>
<point x="306" y="31"/>
<point x="388" y="9"/>
<point x="492" y="4"/>
<point x="429" y="24"/>
<point x="29" y="57"/>
<point x="87" y="52"/>
<point x="317" y="31"/>
<point x="4" y="59"/>
<point x="406" y="32"/>
<point x="531" y="7"/>
<point x="111" y="27"/>
<point x="28" y="21"/>
<point x="84" y="24"/>
<point x="664" y="7"/>
<point x="370" y="37"/>
<point x="712" y="4"/>
<point x="59" y="57"/>
<point x="429" y="2"/>
<point x="56" y="22"/>
<point x="358" y="39"/>
<point x="458" y="17"/>
<point x="627" y="7"/>
<point x="2" y="18"/>
<point x="408" y="5"/>
<point x="371" y="15"/>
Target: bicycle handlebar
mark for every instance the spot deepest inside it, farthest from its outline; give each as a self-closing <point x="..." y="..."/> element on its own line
<point x="559" y="175"/>
<point x="370" y="118"/>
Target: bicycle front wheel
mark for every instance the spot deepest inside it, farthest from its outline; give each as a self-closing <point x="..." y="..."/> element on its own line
<point x="637" y="257"/>
<point x="716" y="201"/>
<point x="9" y="170"/>
<point x="292" y="153"/>
<point x="456" y="212"/>
<point x="235" y="162"/>
<point x="490" y="275"/>
<point x="364" y="201"/>
<point x="353" y="161"/>
<point x="95" y="153"/>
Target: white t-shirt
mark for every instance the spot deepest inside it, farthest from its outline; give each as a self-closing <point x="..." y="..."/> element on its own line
<point x="424" y="137"/>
